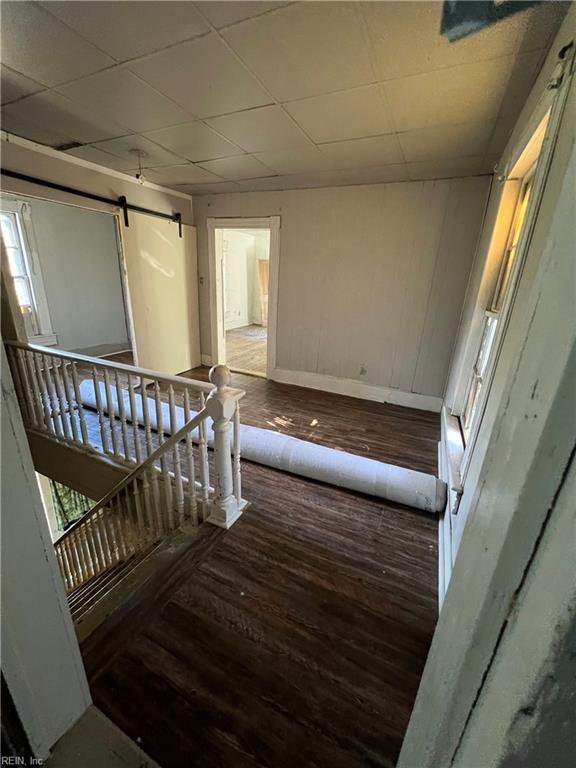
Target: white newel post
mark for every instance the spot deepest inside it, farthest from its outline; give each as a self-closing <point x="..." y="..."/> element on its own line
<point x="221" y="404"/>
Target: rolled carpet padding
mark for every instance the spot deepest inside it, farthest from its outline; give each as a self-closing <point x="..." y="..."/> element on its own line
<point x="300" y="457"/>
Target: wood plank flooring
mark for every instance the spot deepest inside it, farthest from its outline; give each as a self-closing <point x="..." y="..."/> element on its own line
<point x="407" y="437"/>
<point x="300" y="636"/>
<point x="246" y="348"/>
<point x="394" y="434"/>
<point x="299" y="640"/>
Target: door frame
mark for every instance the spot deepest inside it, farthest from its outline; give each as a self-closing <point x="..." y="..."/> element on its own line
<point x="217" y="332"/>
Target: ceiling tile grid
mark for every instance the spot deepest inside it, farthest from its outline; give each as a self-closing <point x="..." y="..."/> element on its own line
<point x="221" y="96"/>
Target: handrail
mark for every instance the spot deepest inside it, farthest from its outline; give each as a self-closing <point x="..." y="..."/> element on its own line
<point x="146" y="373"/>
<point x="167" y="486"/>
<point x="166" y="446"/>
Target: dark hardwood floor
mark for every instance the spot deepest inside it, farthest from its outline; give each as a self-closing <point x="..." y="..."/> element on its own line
<point x="407" y="437"/>
<point x="299" y="636"/>
<point x="404" y="436"/>
<point x="299" y="640"/>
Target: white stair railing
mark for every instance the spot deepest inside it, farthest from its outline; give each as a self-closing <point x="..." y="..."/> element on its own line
<point x="120" y="410"/>
<point x="136" y="514"/>
<point x="155" y="424"/>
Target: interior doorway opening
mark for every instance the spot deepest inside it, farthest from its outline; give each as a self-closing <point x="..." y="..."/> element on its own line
<point x="245" y="278"/>
<point x="244" y="255"/>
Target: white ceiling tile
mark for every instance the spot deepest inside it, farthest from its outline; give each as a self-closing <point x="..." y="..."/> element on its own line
<point x="204" y="77"/>
<point x="296" y="160"/>
<point x="129" y="29"/>
<point x="180" y="174"/>
<point x="194" y="141"/>
<point x="268" y="184"/>
<point x="525" y="70"/>
<point x="445" y="141"/>
<point x="42" y="48"/>
<point x="500" y="135"/>
<point x="54" y="111"/>
<point x="305" y="49"/>
<point x="241" y="167"/>
<point x="445" y="169"/>
<point x="257" y="130"/>
<point x="406" y="39"/>
<point x="121" y="96"/>
<point x="153" y="154"/>
<point x="355" y="153"/>
<point x="13" y="123"/>
<point x="467" y="93"/>
<point x="14" y="85"/>
<point x="217" y="188"/>
<point x="377" y="174"/>
<point x="98" y="156"/>
<point x="539" y="26"/>
<point x="222" y="14"/>
<point x="343" y="115"/>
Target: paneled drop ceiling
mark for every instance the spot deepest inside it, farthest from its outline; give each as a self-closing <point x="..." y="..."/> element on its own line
<point x="224" y="96"/>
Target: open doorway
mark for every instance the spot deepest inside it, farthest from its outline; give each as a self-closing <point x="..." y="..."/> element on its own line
<point x="245" y="278"/>
<point x="244" y="264"/>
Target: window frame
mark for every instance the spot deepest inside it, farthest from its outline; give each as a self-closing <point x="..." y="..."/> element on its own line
<point x="507" y="274"/>
<point x="22" y="212"/>
<point x="533" y="173"/>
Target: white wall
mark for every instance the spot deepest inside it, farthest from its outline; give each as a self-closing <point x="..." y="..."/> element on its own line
<point x="521" y="458"/>
<point x="236" y="246"/>
<point x="525" y="713"/>
<point x="243" y="249"/>
<point x="40" y="655"/>
<point x="371" y="278"/>
<point x="78" y="254"/>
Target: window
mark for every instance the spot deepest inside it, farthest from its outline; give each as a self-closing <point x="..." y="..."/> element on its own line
<point x="27" y="279"/>
<point x="13" y="243"/>
<point x="492" y="314"/>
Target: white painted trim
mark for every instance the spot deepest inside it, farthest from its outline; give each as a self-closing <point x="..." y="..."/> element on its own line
<point x="126" y="296"/>
<point x="273" y="282"/>
<point x="57" y="154"/>
<point x="354" y="388"/>
<point x="12" y="203"/>
<point x="44" y="339"/>
<point x="450" y="450"/>
<point x="548" y="138"/>
<point x="206" y="360"/>
<point x="45" y="653"/>
<point x="217" y="334"/>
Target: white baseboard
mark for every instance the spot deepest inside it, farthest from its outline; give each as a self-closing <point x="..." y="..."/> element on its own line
<point x="353" y="388"/>
<point x="206" y="360"/>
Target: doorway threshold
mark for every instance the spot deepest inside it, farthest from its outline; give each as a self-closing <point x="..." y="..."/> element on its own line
<point x="257" y="374"/>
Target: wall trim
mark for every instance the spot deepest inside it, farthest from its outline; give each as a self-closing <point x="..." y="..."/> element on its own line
<point x="206" y="360"/>
<point x="33" y="146"/>
<point x="217" y="331"/>
<point x="354" y="388"/>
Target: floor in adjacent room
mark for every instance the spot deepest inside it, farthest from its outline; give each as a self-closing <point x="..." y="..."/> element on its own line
<point x="300" y="635"/>
<point x="246" y="348"/>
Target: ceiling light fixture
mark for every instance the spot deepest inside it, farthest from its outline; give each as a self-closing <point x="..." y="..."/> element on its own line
<point x="140" y="178"/>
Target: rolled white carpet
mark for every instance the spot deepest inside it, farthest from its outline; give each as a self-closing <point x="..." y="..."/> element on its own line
<point x="300" y="457"/>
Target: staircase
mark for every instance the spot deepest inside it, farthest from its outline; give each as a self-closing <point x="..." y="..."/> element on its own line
<point x="143" y="423"/>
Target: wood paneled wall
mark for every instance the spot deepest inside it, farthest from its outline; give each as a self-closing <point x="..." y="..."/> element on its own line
<point x="372" y="278"/>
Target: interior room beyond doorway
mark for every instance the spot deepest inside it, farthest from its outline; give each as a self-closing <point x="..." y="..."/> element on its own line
<point x="245" y="271"/>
